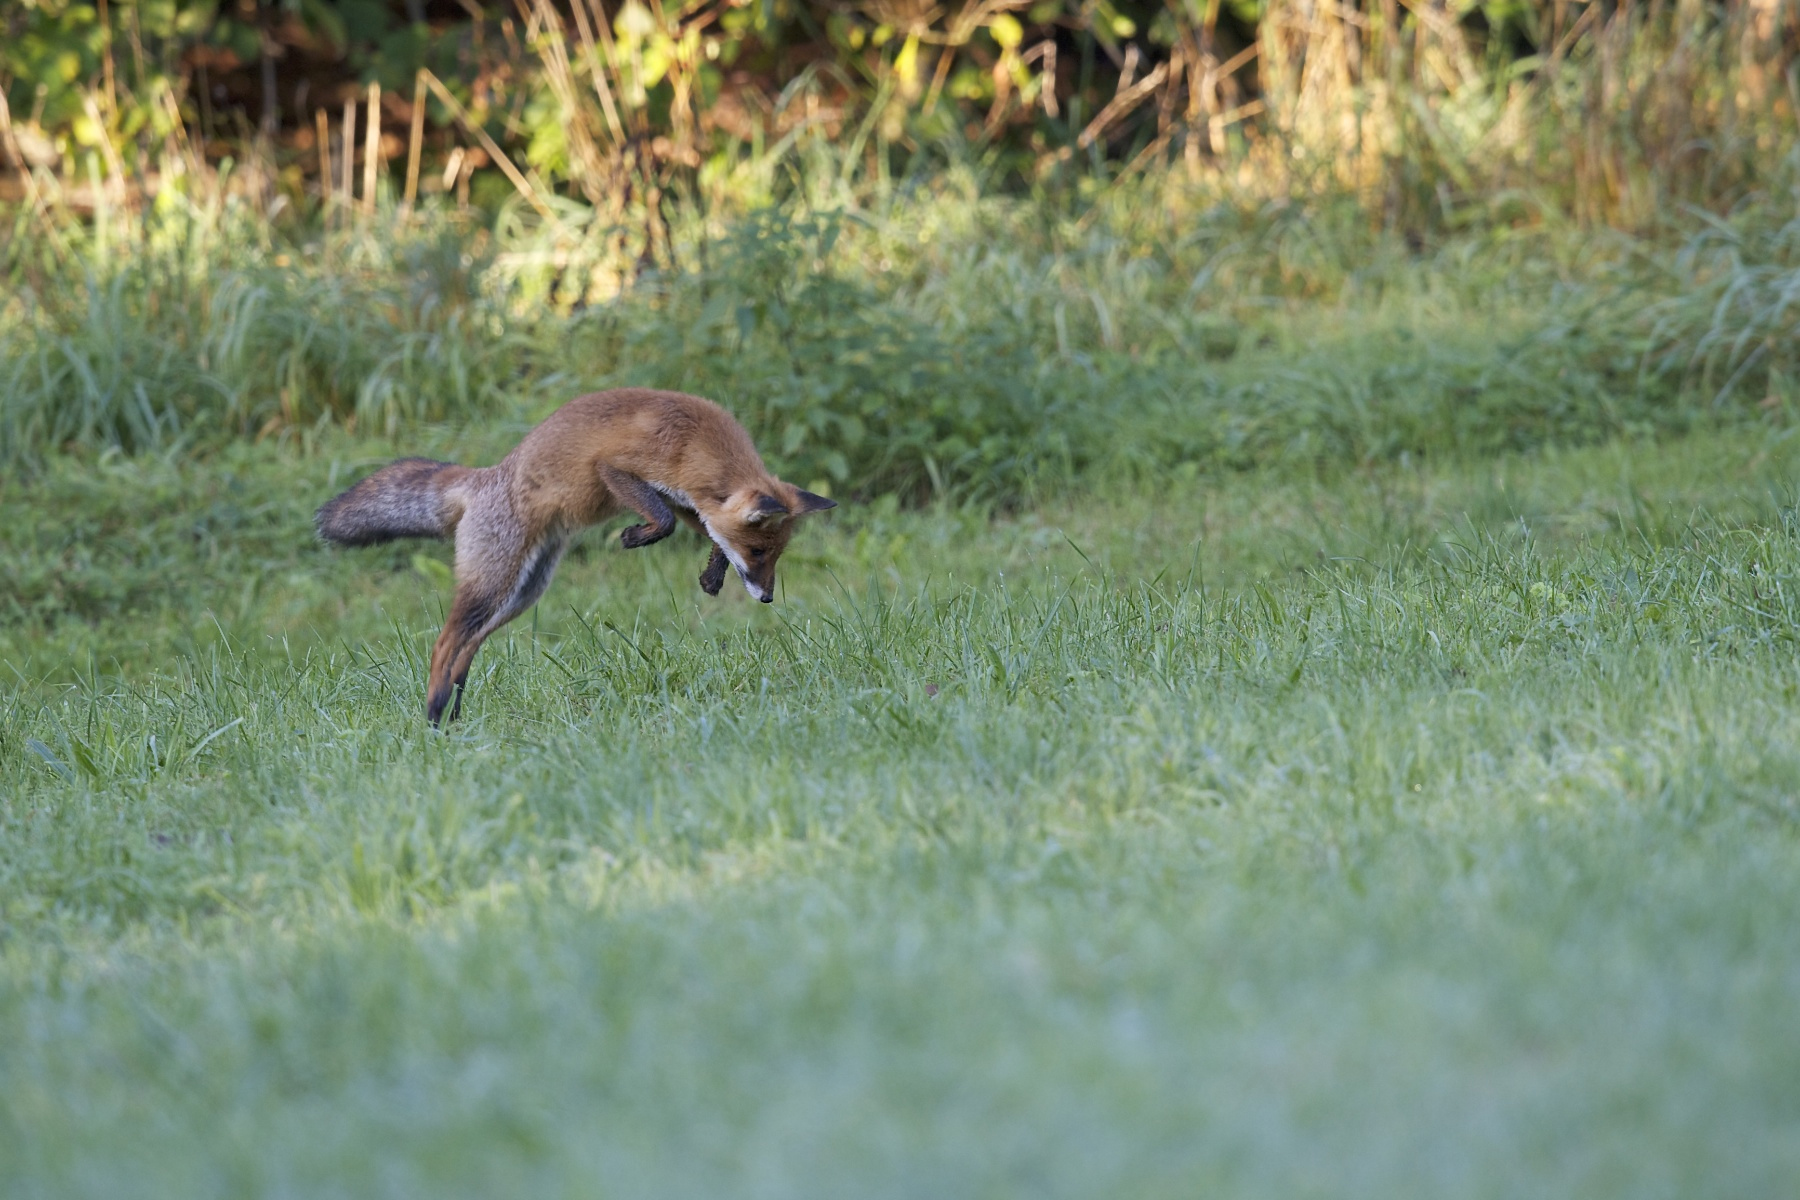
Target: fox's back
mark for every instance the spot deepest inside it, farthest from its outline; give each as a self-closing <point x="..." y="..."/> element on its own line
<point x="666" y="438"/>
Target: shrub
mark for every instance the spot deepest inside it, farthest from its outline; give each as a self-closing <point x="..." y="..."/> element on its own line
<point x="831" y="376"/>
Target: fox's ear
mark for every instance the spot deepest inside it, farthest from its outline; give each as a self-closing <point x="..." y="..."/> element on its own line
<point x="765" y="509"/>
<point x="805" y="502"/>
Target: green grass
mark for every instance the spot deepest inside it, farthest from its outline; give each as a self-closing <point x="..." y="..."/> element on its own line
<point x="1420" y="830"/>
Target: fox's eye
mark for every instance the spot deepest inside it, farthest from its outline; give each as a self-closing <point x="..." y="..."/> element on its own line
<point x="757" y="553"/>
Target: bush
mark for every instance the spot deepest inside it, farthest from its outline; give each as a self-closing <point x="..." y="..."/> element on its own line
<point x="831" y="377"/>
<point x="995" y="364"/>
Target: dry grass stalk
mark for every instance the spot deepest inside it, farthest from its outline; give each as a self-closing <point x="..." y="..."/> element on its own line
<point x="347" y="185"/>
<point x="372" y="149"/>
<point x="587" y="165"/>
<point x="415" y="143"/>
<point x="322" y="132"/>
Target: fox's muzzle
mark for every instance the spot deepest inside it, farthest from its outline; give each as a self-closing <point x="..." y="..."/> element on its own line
<point x="760" y="591"/>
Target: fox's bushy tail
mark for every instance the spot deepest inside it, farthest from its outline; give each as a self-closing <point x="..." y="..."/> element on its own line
<point x="407" y="498"/>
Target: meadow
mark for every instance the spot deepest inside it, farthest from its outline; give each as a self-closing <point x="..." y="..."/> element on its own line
<point x="1412" y="827"/>
<point x="1299" y="696"/>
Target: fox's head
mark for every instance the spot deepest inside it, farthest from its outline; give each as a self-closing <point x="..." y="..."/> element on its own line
<point x="752" y="526"/>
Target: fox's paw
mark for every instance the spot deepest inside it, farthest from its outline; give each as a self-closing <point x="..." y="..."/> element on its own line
<point x="633" y="536"/>
<point x="713" y="577"/>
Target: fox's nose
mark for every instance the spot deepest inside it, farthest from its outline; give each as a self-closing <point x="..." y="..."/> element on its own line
<point x="768" y="597"/>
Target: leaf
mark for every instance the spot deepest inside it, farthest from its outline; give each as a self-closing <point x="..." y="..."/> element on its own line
<point x="208" y="740"/>
<point x="634" y="22"/>
<point x="44" y="752"/>
<point x="906" y="65"/>
<point x="84" y="758"/>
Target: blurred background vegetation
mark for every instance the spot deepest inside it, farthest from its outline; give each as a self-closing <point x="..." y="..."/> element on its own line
<point x="921" y="246"/>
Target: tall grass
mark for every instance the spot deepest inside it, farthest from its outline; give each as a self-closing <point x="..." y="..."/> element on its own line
<point x="199" y="325"/>
<point x="954" y="341"/>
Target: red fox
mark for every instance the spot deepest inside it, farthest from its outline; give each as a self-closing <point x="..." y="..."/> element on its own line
<point x="661" y="455"/>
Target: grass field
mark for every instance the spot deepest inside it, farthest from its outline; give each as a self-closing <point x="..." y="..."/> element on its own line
<point x="1397" y="831"/>
<point x="1299" y="699"/>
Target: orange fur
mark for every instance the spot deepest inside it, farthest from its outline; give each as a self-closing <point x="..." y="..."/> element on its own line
<point x="664" y="455"/>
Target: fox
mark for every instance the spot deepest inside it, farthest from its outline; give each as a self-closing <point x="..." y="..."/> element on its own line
<point x="665" y="456"/>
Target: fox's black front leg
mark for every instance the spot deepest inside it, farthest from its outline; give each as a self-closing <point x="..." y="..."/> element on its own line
<point x="646" y="502"/>
<point x="713" y="577"/>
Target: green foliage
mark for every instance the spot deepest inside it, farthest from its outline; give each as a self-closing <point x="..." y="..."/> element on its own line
<point x="1001" y="360"/>
<point x="839" y="381"/>
<point x="970" y="346"/>
<point x="1613" y="118"/>
<point x="62" y="81"/>
<point x="1731" y="323"/>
